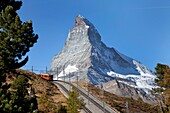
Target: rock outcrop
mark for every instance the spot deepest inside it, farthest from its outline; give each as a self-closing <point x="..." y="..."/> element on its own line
<point x="85" y="50"/>
<point x="124" y="90"/>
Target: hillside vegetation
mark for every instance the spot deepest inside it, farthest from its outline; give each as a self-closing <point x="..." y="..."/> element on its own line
<point x="49" y="98"/>
<point x="163" y="80"/>
<point x="16" y="39"/>
<point x="134" y="106"/>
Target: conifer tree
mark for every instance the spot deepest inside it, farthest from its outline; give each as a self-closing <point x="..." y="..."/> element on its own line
<point x="20" y="95"/>
<point x="73" y="102"/>
<point x="18" y="100"/>
<point x="16" y="37"/>
<point x="163" y="80"/>
<point x="15" y="4"/>
<point x="44" y="102"/>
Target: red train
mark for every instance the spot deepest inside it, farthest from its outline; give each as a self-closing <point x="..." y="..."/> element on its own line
<point x="46" y="76"/>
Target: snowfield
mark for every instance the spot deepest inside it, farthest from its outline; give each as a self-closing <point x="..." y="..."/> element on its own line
<point x="66" y="71"/>
<point x="144" y="81"/>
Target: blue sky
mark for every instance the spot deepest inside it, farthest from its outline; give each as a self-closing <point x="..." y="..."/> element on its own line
<point x="137" y="28"/>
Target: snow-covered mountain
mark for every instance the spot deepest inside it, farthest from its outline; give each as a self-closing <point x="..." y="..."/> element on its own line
<point x="84" y="54"/>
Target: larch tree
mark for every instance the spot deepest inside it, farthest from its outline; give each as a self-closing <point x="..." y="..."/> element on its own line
<point x="163" y="80"/>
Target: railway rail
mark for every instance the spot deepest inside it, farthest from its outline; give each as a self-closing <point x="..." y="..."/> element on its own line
<point x="90" y="99"/>
<point x="84" y="108"/>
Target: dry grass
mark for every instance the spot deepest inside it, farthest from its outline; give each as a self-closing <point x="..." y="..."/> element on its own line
<point x="134" y="106"/>
<point x="53" y="95"/>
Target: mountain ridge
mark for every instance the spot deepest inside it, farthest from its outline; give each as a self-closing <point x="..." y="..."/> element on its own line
<point x="92" y="60"/>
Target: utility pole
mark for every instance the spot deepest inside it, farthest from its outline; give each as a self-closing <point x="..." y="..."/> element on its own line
<point x="57" y="73"/>
<point x="69" y="82"/>
<point x="161" y="100"/>
<point x="77" y="80"/>
<point x="64" y="73"/>
<point x="127" y="109"/>
<point x="103" y="97"/>
<point x="69" y="76"/>
<point x="88" y="91"/>
<point x="32" y="69"/>
<point x="46" y="69"/>
<point x="87" y="85"/>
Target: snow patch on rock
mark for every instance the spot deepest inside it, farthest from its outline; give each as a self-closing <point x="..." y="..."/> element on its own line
<point x="144" y="81"/>
<point x="69" y="69"/>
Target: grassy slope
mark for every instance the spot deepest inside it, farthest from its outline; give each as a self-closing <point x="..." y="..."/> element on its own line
<point x="48" y="95"/>
<point x="134" y="106"/>
<point x="54" y="97"/>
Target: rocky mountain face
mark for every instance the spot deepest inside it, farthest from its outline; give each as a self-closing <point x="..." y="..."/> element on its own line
<point x="86" y="56"/>
<point x="124" y="90"/>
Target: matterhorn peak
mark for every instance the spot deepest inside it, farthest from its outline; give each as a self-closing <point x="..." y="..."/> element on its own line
<point x="85" y="56"/>
<point x="85" y="52"/>
<point x="80" y="16"/>
<point x="79" y="21"/>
